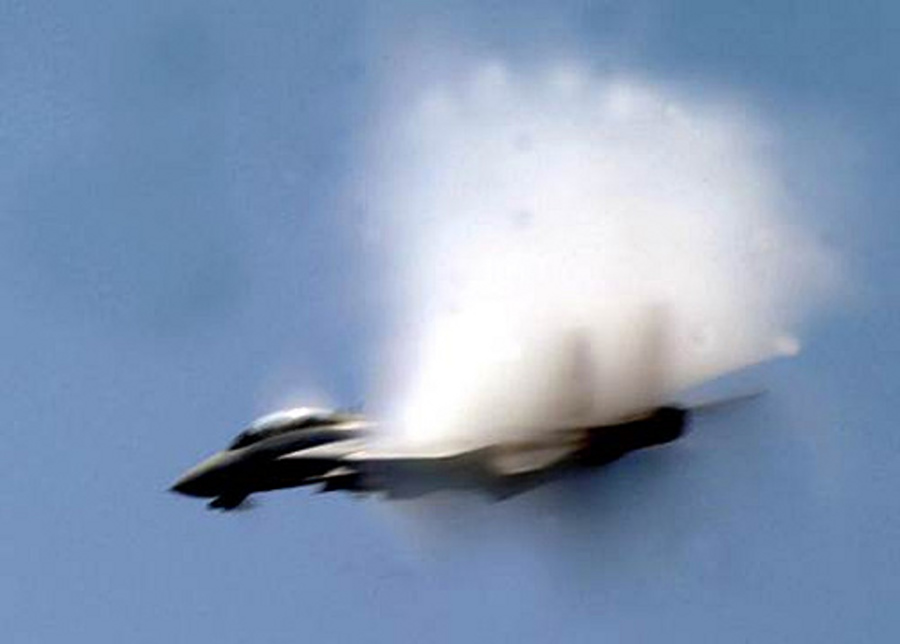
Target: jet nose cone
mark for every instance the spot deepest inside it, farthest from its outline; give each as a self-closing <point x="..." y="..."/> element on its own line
<point x="186" y="485"/>
<point x="204" y="479"/>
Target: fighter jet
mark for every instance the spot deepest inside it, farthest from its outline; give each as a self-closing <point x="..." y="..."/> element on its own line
<point x="335" y="450"/>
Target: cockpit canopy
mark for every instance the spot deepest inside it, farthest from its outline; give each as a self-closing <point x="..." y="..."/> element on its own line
<point x="287" y="420"/>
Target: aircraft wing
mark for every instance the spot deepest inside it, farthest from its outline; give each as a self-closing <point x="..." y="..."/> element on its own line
<point x="355" y="465"/>
<point x="360" y="451"/>
<point x="358" y="465"/>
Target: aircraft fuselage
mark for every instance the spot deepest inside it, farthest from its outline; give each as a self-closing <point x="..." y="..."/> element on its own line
<point x="329" y="455"/>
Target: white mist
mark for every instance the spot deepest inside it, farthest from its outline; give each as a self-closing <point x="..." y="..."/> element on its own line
<point x="560" y="240"/>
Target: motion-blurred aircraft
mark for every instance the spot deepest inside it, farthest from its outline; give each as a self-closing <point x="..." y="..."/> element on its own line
<point x="337" y="450"/>
<point x="334" y="451"/>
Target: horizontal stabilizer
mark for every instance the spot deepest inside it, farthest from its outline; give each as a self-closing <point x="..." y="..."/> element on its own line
<point x="721" y="404"/>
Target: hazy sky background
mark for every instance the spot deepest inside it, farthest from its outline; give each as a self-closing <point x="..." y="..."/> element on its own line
<point x="180" y="252"/>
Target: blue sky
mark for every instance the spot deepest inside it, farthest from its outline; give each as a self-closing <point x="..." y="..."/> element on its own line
<point x="179" y="253"/>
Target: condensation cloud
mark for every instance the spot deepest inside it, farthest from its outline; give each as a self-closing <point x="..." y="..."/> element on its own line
<point x="569" y="248"/>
